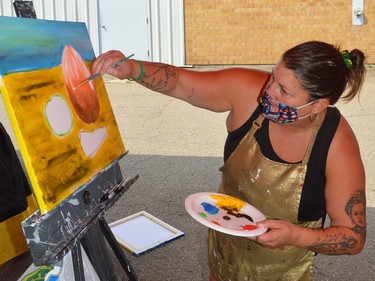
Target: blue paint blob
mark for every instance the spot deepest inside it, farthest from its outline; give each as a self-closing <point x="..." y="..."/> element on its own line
<point x="210" y="209"/>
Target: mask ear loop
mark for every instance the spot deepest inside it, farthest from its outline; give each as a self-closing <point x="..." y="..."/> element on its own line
<point x="314" y="115"/>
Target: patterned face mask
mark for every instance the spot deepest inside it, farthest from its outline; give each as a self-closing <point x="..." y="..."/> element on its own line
<point x="285" y="114"/>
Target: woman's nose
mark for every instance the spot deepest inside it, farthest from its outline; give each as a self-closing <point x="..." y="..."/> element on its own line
<point x="271" y="94"/>
<point x="271" y="89"/>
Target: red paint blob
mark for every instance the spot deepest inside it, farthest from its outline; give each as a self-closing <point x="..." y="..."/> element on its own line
<point x="215" y="222"/>
<point x="249" y="227"/>
<point x="85" y="99"/>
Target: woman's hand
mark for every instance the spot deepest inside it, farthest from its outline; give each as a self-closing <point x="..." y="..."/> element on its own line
<point x="103" y="64"/>
<point x="280" y="233"/>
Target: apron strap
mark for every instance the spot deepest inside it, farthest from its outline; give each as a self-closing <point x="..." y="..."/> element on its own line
<point x="257" y="123"/>
<point x="317" y="122"/>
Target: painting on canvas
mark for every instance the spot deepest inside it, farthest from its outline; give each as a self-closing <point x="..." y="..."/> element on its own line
<point x="66" y="135"/>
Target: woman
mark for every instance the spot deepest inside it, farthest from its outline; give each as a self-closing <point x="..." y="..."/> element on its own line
<point x="289" y="153"/>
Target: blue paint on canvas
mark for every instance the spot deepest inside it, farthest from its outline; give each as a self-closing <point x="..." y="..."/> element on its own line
<point x="29" y="44"/>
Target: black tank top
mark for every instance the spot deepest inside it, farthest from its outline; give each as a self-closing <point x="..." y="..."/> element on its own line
<point x="312" y="206"/>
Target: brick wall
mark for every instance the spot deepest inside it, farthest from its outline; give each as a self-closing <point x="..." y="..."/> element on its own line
<point x="258" y="31"/>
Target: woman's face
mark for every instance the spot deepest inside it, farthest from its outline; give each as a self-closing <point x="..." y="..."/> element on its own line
<point x="358" y="214"/>
<point x="284" y="87"/>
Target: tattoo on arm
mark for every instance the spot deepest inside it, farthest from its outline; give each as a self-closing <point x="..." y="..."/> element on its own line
<point x="334" y="244"/>
<point x="341" y="243"/>
<point x="159" y="78"/>
<point x="356" y="210"/>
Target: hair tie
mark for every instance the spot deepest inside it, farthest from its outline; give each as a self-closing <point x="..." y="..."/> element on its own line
<point x="346" y="56"/>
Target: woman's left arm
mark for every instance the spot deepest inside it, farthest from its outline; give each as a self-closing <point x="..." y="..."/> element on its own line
<point x="345" y="205"/>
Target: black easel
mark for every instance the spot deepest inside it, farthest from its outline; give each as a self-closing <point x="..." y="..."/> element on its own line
<point x="68" y="226"/>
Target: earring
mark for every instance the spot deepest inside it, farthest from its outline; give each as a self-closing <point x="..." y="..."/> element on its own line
<point x="313" y="117"/>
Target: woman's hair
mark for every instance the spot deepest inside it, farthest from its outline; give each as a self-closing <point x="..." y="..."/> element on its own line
<point x="326" y="72"/>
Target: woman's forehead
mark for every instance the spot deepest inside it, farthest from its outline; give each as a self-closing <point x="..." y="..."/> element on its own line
<point x="285" y="77"/>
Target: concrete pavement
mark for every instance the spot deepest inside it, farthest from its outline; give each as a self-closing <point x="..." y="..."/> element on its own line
<point x="177" y="150"/>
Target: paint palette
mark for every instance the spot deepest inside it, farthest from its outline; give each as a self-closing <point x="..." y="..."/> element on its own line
<point x="225" y="214"/>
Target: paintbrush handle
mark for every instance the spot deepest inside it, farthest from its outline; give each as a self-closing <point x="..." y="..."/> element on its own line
<point x="120" y="61"/>
<point x="87" y="80"/>
<point x="92" y="77"/>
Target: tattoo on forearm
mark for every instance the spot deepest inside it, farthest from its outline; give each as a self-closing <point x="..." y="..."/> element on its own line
<point x="334" y="244"/>
<point x="158" y="79"/>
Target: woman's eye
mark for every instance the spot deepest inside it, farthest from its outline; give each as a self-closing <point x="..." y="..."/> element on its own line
<point x="283" y="92"/>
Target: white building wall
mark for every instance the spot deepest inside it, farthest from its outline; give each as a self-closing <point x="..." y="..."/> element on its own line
<point x="167" y="31"/>
<point x="166" y="23"/>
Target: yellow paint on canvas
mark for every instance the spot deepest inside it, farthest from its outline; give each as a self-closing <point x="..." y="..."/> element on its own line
<point x="56" y="164"/>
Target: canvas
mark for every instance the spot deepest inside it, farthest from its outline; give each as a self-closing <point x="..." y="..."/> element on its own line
<point x="66" y="135"/>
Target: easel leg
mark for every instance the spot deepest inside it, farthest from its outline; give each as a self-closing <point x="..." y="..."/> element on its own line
<point x="79" y="274"/>
<point x="117" y="249"/>
<point x="98" y="253"/>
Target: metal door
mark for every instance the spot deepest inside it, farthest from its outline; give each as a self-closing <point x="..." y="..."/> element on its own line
<point x="124" y="26"/>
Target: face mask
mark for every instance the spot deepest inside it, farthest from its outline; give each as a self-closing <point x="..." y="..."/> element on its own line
<point x="285" y="114"/>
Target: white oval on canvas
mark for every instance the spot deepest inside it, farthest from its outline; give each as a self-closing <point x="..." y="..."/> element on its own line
<point x="59" y="115"/>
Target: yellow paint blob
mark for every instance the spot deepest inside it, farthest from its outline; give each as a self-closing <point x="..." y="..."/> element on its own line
<point x="228" y="203"/>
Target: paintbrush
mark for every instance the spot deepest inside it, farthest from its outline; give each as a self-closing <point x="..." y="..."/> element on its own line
<point x="92" y="77"/>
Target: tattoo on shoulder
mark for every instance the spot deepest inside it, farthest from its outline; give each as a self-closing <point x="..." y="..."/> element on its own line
<point x="158" y="79"/>
<point x="355" y="208"/>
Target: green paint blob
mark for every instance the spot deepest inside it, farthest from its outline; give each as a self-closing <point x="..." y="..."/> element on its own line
<point x="202" y="215"/>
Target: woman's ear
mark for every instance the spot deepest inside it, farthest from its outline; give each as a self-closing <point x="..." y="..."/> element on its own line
<point x="320" y="105"/>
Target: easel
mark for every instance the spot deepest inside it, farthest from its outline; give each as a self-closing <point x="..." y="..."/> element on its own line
<point x="79" y="219"/>
<point x="24" y="9"/>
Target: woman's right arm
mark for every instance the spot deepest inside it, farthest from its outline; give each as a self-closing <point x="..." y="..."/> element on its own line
<point x="232" y="89"/>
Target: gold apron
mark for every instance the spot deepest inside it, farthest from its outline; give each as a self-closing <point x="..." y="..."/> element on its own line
<point x="275" y="189"/>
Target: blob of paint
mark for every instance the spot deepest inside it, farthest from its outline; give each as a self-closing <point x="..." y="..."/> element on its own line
<point x="215" y="222"/>
<point x="249" y="227"/>
<point x="203" y="215"/>
<point x="210" y="209"/>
